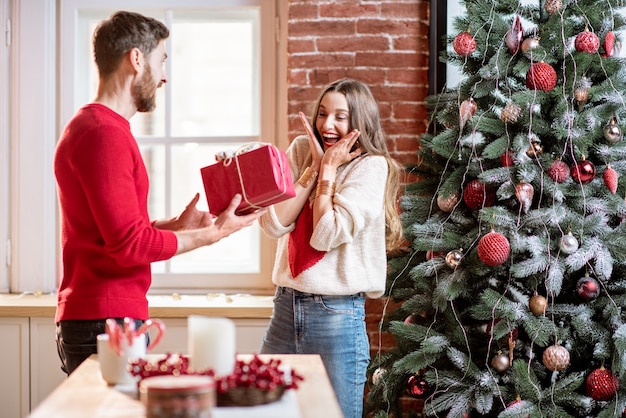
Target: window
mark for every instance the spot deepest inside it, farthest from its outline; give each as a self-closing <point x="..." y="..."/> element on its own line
<point x="4" y="146"/>
<point x="221" y="93"/>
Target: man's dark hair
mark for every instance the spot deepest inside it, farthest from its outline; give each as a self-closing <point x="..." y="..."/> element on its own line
<point x="121" y="32"/>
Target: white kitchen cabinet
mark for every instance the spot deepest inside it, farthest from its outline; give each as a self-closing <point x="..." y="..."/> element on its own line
<point x="14" y="380"/>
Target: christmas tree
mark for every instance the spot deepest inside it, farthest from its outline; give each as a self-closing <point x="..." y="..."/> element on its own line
<point x="512" y="293"/>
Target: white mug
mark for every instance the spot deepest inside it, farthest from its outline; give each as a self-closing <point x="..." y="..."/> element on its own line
<point x="114" y="366"/>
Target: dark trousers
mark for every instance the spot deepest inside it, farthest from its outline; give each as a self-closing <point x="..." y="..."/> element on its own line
<point x="77" y="340"/>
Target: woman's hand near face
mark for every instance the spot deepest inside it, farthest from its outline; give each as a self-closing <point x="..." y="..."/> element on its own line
<point x="340" y="153"/>
<point x="316" y="149"/>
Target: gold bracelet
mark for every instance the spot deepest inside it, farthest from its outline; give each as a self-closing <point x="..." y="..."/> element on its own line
<point x="325" y="188"/>
<point x="307" y="177"/>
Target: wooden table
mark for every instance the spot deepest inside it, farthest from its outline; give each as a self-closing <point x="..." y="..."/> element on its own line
<point x="85" y="394"/>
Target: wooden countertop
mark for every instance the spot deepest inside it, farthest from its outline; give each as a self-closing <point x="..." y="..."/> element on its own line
<point x="161" y="306"/>
<point x="85" y="394"/>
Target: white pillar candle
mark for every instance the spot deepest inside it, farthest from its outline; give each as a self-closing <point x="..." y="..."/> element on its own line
<point x="211" y="344"/>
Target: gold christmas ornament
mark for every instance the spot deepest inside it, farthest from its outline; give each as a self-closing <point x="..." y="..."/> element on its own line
<point x="524" y="193"/>
<point x="500" y="362"/>
<point x="612" y="131"/>
<point x="535" y="149"/>
<point x="538" y="304"/>
<point x="466" y="111"/>
<point x="448" y="203"/>
<point x="453" y="258"/>
<point x="530" y="43"/>
<point x="556" y="358"/>
<point x="510" y="113"/>
<point x="552" y="6"/>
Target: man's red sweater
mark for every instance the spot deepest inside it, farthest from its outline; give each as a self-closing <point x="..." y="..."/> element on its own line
<point x="107" y="238"/>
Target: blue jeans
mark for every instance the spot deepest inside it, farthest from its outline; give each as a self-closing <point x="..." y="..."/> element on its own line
<point x="76" y="340"/>
<point x="331" y="326"/>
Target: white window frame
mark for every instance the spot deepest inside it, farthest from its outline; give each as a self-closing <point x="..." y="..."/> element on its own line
<point x="5" y="39"/>
<point x="40" y="68"/>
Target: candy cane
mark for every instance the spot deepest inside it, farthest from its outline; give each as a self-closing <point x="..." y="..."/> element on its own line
<point x="113" y="332"/>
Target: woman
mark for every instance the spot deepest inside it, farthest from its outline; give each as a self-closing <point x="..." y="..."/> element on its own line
<point x="332" y="237"/>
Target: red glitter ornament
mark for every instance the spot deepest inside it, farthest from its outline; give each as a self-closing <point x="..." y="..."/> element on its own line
<point x="507" y="158"/>
<point x="587" y="288"/>
<point x="464" y="44"/>
<point x="583" y="171"/>
<point x="476" y="195"/>
<point x="416" y="386"/>
<point x="610" y="178"/>
<point x="559" y="171"/>
<point x="609" y="44"/>
<point x="494" y="249"/>
<point x="587" y="42"/>
<point x="541" y="76"/>
<point x="601" y="384"/>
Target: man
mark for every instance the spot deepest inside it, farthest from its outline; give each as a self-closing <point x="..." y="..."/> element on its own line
<point x="107" y="237"/>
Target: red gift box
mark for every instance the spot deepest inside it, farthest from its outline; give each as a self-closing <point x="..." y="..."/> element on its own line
<point x="261" y="175"/>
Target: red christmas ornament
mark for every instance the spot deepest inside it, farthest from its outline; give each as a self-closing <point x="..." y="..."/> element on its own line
<point x="514" y="36"/>
<point x="587" y="42"/>
<point x="494" y="249"/>
<point x="464" y="44"/>
<point x="430" y="254"/>
<point x="507" y="158"/>
<point x="583" y="171"/>
<point x="609" y="44"/>
<point x="541" y="76"/>
<point x="601" y="384"/>
<point x="559" y="171"/>
<point x="416" y="386"/>
<point x="476" y="195"/>
<point x="587" y="288"/>
<point x="610" y="178"/>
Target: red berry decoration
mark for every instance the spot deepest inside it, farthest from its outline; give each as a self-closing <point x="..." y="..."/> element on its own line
<point x="464" y="44"/>
<point x="541" y="76"/>
<point x="610" y="178"/>
<point x="587" y="288"/>
<point x="601" y="384"/>
<point x="587" y="42"/>
<point x="559" y="171"/>
<point x="494" y="249"/>
<point x="476" y="195"/>
<point x="583" y="171"/>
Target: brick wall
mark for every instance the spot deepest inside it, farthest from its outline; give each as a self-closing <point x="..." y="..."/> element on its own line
<point x="384" y="43"/>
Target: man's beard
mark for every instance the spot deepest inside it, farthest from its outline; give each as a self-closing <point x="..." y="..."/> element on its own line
<point x="144" y="92"/>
